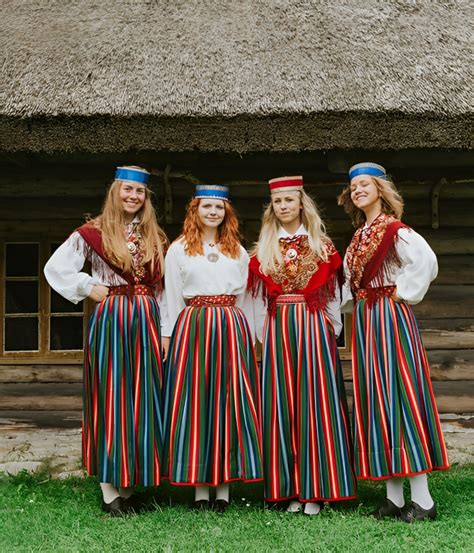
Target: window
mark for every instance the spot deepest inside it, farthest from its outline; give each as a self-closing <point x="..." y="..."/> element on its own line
<point x="35" y="322"/>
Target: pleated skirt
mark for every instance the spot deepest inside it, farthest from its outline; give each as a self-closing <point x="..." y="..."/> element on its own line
<point x="122" y="419"/>
<point x="306" y="432"/>
<point x="397" y="431"/>
<point x="212" y="409"/>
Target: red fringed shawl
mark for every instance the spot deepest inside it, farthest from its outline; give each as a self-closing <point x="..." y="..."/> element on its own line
<point x="372" y="253"/>
<point x="319" y="289"/>
<point x="93" y="239"/>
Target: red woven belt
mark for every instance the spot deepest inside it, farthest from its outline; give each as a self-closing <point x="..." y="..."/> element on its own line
<point x="131" y="290"/>
<point x="375" y="293"/>
<point x="204" y="301"/>
<point x="290" y="298"/>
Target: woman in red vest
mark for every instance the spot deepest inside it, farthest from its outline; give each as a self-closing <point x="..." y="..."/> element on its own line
<point x="389" y="267"/>
<point x="295" y="268"/>
<point x="122" y="421"/>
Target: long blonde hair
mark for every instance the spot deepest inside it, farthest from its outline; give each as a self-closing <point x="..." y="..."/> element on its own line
<point x="392" y="202"/>
<point x="111" y="223"/>
<point x="267" y="247"/>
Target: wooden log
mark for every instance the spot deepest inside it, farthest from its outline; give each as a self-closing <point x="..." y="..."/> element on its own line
<point x="451" y="397"/>
<point x="445" y="365"/>
<point x="455" y="269"/>
<point x="452" y="325"/>
<point x="40" y="419"/>
<point x="447" y="301"/>
<point x="447" y="241"/>
<point x="40" y="373"/>
<point x="446" y="339"/>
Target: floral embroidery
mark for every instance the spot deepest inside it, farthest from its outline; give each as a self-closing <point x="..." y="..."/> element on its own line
<point x="299" y="263"/>
<point x="135" y="247"/>
<point x="363" y="246"/>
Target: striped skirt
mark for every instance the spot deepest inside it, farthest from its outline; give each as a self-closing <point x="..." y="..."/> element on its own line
<point x="397" y="431"/>
<point x="306" y="434"/>
<point x="212" y="410"/>
<point x="122" y="423"/>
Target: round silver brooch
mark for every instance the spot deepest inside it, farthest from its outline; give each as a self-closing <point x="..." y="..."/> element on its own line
<point x="132" y="248"/>
<point x="291" y="254"/>
<point x="212" y="257"/>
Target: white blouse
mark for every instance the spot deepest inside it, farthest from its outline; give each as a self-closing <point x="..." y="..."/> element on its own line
<point x="187" y="276"/>
<point x="64" y="274"/>
<point x="257" y="311"/>
<point x="418" y="269"/>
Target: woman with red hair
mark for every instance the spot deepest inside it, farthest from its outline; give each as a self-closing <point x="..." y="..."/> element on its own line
<point x="212" y="410"/>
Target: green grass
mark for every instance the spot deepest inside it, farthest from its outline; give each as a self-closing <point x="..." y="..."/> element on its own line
<point x="39" y="514"/>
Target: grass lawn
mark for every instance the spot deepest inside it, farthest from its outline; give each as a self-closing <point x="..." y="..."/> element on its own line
<point x="39" y="514"/>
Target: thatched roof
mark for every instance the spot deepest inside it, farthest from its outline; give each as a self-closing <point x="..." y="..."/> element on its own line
<point x="240" y="75"/>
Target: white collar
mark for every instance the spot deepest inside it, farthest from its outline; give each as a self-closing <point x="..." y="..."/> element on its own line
<point x="282" y="233"/>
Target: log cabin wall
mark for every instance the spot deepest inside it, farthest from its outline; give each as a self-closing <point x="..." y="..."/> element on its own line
<point x="45" y="197"/>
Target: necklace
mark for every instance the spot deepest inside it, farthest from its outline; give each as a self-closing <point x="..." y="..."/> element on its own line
<point x="212" y="256"/>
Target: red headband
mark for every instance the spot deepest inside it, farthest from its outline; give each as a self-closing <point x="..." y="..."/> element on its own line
<point x="286" y="184"/>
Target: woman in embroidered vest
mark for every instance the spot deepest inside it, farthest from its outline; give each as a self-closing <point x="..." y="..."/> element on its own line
<point x="122" y="421"/>
<point x="212" y="411"/>
<point x="389" y="267"/>
<point x="306" y="438"/>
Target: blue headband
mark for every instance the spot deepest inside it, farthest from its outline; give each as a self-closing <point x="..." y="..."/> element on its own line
<point x="129" y="174"/>
<point x="212" y="191"/>
<point x="367" y="168"/>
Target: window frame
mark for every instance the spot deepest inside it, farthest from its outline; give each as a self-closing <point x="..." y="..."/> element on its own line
<point x="44" y="355"/>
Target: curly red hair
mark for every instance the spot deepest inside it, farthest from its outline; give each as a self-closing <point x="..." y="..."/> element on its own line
<point x="228" y="231"/>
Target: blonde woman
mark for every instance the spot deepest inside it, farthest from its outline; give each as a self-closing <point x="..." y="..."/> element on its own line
<point x="295" y="269"/>
<point x="389" y="267"/>
<point x="122" y="423"/>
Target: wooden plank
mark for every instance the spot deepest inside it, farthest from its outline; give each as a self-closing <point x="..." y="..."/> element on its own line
<point x="40" y="373"/>
<point x="447" y="301"/>
<point x="41" y="403"/>
<point x="40" y="419"/>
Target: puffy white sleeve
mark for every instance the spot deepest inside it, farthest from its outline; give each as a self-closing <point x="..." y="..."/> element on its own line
<point x="419" y="266"/>
<point x="347" y="300"/>
<point x="255" y="311"/>
<point x="173" y="289"/>
<point x="244" y="271"/>
<point x="163" y="313"/>
<point x="64" y="273"/>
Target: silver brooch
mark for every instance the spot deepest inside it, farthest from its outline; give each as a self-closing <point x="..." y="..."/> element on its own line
<point x="291" y="254"/>
<point x="212" y="257"/>
<point x="132" y="248"/>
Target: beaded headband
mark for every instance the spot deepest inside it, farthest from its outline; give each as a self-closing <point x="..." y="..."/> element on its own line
<point x="212" y="191"/>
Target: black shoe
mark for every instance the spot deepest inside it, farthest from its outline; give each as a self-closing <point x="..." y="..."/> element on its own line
<point x="139" y="503"/>
<point x="414" y="512"/>
<point x="117" y="508"/>
<point x="220" y="505"/>
<point x="202" y="505"/>
<point x="388" y="509"/>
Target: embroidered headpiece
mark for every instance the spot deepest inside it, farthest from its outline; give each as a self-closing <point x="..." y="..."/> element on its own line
<point x="132" y="174"/>
<point x="367" y="168"/>
<point x="286" y="184"/>
<point x="212" y="191"/>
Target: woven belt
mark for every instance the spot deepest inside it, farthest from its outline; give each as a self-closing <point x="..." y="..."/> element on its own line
<point x="131" y="290"/>
<point x="375" y="293"/>
<point x="290" y="298"/>
<point x="205" y="301"/>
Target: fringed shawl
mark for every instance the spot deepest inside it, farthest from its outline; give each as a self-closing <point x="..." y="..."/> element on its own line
<point x="372" y="253"/>
<point x="320" y="288"/>
<point x="94" y="251"/>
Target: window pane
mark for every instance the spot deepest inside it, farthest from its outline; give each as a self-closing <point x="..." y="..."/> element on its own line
<point x="21" y="334"/>
<point x="22" y="259"/>
<point x="21" y="297"/>
<point x="61" y="305"/>
<point x="66" y="333"/>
